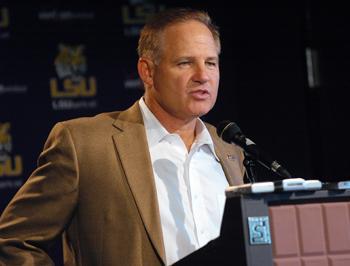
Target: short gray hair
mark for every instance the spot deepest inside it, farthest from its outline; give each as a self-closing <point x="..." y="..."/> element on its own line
<point x="149" y="41"/>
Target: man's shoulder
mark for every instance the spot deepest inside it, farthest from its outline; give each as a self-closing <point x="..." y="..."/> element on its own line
<point x="104" y="119"/>
<point x="86" y="127"/>
<point x="100" y="118"/>
<point x="102" y="123"/>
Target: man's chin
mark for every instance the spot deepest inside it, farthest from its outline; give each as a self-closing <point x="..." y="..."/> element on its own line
<point x="200" y="113"/>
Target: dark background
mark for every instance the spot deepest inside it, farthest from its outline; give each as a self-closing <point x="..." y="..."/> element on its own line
<point x="285" y="73"/>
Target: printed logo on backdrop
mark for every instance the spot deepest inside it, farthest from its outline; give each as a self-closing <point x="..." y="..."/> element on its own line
<point x="5" y="34"/>
<point x="132" y="80"/>
<point x="11" y="165"/>
<point x="4" y="23"/>
<point x="65" y="15"/>
<point x="134" y="16"/>
<point x="72" y="88"/>
<point x="12" y="89"/>
<point x="136" y="13"/>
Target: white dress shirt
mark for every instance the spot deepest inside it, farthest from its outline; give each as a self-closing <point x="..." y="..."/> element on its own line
<point x="190" y="187"/>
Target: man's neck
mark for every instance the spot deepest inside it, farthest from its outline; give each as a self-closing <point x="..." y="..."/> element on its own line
<point x="187" y="134"/>
<point x="186" y="129"/>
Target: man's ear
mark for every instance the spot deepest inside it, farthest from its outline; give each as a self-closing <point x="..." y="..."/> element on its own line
<point x="145" y="68"/>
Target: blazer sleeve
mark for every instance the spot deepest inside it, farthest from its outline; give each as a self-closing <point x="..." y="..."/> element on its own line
<point x="43" y="206"/>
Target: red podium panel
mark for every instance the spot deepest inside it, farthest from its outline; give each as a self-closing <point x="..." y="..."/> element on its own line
<point x="311" y="234"/>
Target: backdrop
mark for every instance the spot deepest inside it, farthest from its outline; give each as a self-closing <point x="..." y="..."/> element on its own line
<point x="284" y="77"/>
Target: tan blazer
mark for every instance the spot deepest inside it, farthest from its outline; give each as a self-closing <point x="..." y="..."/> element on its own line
<point x="94" y="183"/>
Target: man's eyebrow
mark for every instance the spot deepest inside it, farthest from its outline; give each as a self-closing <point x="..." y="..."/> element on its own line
<point x="185" y="57"/>
<point x="193" y="57"/>
<point x="216" y="58"/>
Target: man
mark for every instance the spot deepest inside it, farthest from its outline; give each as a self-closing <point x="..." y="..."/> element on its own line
<point x="140" y="187"/>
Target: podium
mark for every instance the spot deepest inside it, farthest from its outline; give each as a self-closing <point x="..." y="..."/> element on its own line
<point x="304" y="228"/>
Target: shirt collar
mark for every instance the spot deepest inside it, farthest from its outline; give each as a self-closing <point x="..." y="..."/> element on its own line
<point x="203" y="137"/>
<point x="156" y="131"/>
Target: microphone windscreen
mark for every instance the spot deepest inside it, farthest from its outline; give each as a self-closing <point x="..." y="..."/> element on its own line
<point x="228" y="131"/>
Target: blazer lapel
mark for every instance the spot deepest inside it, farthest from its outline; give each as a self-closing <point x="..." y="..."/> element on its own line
<point x="132" y="147"/>
<point x="231" y="158"/>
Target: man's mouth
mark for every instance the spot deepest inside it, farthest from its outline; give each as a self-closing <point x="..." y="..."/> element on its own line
<point x="200" y="94"/>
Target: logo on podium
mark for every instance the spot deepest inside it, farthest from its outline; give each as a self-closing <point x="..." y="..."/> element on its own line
<point x="259" y="230"/>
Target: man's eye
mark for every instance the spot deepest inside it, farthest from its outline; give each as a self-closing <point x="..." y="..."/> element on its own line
<point x="184" y="63"/>
<point x="211" y="63"/>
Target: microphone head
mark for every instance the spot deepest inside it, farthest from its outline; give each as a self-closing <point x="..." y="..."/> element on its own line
<point x="229" y="131"/>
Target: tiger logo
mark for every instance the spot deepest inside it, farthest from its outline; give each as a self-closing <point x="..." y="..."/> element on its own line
<point x="5" y="141"/>
<point x="4" y="18"/>
<point x="70" y="62"/>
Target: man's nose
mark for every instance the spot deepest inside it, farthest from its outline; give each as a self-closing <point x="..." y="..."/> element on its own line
<point x="201" y="74"/>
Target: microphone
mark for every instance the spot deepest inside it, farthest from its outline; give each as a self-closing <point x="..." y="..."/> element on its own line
<point x="231" y="133"/>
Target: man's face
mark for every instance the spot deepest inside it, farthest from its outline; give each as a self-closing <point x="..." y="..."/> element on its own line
<point x="186" y="78"/>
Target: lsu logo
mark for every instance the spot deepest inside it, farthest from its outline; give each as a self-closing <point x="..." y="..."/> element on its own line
<point x="4" y="18"/>
<point x="138" y="14"/>
<point x="5" y="141"/>
<point x="9" y="165"/>
<point x="71" y="66"/>
<point x="135" y="14"/>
